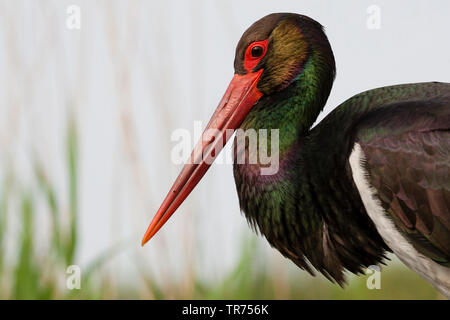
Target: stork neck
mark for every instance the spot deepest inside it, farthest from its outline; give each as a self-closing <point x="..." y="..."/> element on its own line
<point x="294" y="109"/>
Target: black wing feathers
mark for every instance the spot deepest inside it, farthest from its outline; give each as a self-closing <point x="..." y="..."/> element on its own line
<point x="407" y="151"/>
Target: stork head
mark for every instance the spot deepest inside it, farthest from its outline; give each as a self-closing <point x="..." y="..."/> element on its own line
<point x="270" y="55"/>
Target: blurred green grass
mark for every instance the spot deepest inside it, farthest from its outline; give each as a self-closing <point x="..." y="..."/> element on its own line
<point x="34" y="273"/>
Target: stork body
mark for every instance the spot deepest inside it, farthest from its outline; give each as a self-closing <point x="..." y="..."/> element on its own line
<point x="347" y="190"/>
<point x="373" y="176"/>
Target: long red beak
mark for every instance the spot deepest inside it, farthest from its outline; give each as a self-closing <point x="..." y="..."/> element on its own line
<point x="239" y="98"/>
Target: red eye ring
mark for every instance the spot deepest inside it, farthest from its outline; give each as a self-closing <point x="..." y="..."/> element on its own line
<point x="250" y="61"/>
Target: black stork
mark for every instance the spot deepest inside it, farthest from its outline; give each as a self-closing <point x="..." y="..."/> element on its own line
<point x="372" y="177"/>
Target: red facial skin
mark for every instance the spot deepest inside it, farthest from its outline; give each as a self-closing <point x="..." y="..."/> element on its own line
<point x="251" y="62"/>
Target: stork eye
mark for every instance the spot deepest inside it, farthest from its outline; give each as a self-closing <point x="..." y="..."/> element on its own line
<point x="254" y="53"/>
<point x="257" y="51"/>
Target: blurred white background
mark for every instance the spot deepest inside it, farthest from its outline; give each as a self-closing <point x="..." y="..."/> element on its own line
<point x="138" y="70"/>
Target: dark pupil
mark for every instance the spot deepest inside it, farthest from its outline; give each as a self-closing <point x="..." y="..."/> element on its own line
<point x="257" y="51"/>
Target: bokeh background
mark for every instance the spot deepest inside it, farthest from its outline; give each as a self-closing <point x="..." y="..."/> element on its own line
<point x="86" y="118"/>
